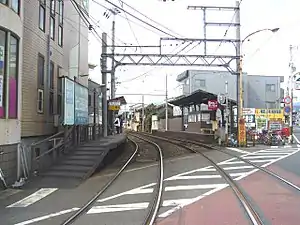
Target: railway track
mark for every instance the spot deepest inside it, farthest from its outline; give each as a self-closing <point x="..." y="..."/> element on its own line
<point x="253" y="215"/>
<point x="157" y="195"/>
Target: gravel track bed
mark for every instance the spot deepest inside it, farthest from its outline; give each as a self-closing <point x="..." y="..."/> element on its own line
<point x="170" y="150"/>
<point x="147" y="152"/>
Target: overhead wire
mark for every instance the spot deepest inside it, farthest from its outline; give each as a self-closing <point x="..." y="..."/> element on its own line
<point x="227" y="30"/>
<point x="144" y="15"/>
<point x="140" y="25"/>
<point x="129" y="24"/>
<point x="139" y="19"/>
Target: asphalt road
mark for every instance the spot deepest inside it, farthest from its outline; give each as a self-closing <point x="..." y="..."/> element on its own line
<point x="189" y="182"/>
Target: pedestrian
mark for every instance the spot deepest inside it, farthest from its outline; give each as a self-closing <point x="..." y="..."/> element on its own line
<point x="117" y="124"/>
<point x="121" y="123"/>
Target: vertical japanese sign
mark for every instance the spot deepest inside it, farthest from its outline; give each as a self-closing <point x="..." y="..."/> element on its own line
<point x="1" y="74"/>
<point x="69" y="104"/>
<point x="242" y="132"/>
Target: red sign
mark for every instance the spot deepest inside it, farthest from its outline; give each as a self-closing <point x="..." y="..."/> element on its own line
<point x="212" y="104"/>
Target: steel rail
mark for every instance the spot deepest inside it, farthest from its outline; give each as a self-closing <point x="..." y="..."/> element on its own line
<point x="249" y="209"/>
<point x="152" y="213"/>
<point x="89" y="204"/>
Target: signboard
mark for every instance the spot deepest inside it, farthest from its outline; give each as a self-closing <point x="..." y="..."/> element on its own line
<point x="249" y="116"/>
<point x="221" y="99"/>
<point x="242" y="132"/>
<point x="114" y="105"/>
<point x="297" y="85"/>
<point x="81" y="105"/>
<point x="212" y="104"/>
<point x="69" y="104"/>
<point x="287" y="109"/>
<point x="269" y="113"/>
<point x="287" y="100"/>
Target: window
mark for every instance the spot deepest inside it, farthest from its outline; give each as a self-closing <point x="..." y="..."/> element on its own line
<point x="60" y="11"/>
<point x="90" y="100"/>
<point x="52" y="28"/>
<point x="40" y="101"/>
<point x="13" y="78"/>
<point x="41" y="70"/>
<point x="270" y="87"/>
<point x="42" y="15"/>
<point x="60" y="35"/>
<point x="59" y="91"/>
<point x="51" y="78"/>
<point x="52" y="7"/>
<point x="15" y="5"/>
<point x="200" y="83"/>
<point x="51" y="103"/>
<point x="2" y="73"/>
<point x="3" y="2"/>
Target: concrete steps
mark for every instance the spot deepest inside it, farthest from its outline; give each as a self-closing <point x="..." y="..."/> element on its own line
<point x="84" y="160"/>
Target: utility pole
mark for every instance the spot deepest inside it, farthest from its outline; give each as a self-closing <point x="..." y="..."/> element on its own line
<point x="239" y="81"/>
<point x="95" y="111"/>
<point x="290" y="90"/>
<point x="103" y="63"/>
<point x="226" y="113"/>
<point x="166" y="102"/>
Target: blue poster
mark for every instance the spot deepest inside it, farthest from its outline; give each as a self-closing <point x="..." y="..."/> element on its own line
<point x="81" y="105"/>
<point x="69" y="105"/>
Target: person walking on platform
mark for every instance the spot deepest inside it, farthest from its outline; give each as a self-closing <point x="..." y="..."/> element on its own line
<point x="121" y="123"/>
<point x="117" y="124"/>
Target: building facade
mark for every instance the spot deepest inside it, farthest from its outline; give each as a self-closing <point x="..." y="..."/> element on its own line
<point x="259" y="91"/>
<point x="11" y="41"/>
<point x="55" y="45"/>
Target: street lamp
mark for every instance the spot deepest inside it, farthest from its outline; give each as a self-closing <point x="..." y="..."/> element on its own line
<point x="240" y="114"/>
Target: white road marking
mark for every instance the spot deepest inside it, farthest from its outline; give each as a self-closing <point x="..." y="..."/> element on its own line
<point x="261" y="156"/>
<point x="192" y="187"/>
<point x="37" y="219"/>
<point x="130" y="192"/>
<point x="33" y="198"/>
<point x="194" y="177"/>
<point x="237" y="150"/>
<point x="118" y="208"/>
<point x="297" y="140"/>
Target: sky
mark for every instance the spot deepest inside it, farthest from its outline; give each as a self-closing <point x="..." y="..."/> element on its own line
<point x="266" y="53"/>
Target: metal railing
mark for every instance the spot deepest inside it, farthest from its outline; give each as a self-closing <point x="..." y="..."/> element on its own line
<point x="61" y="144"/>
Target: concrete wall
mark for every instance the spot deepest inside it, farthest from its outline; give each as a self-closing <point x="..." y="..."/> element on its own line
<point x="10" y="128"/>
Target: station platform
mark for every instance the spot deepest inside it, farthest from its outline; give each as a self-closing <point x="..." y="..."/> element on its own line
<point x="193" y="136"/>
<point x="82" y="162"/>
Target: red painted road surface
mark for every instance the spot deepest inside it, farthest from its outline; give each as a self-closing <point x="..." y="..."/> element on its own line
<point x="280" y="205"/>
<point x="220" y="208"/>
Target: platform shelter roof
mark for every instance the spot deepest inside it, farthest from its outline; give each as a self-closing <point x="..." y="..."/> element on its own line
<point x="197" y="97"/>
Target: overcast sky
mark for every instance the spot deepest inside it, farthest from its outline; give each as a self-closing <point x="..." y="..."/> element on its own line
<point x="266" y="53"/>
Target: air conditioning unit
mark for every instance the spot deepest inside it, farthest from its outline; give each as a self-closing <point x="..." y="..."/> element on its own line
<point x="56" y="120"/>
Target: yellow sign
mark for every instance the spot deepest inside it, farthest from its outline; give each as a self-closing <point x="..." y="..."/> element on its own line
<point x="242" y="133"/>
<point x="114" y="105"/>
<point x="270" y="113"/>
